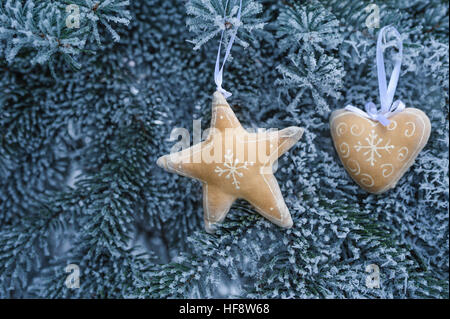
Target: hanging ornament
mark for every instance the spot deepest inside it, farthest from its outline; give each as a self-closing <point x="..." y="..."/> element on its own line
<point x="232" y="163"/>
<point x="376" y="147"/>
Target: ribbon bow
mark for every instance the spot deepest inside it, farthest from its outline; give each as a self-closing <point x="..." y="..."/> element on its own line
<point x="218" y="72"/>
<point x="386" y="92"/>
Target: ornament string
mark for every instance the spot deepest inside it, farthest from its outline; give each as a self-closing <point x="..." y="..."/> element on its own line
<point x="218" y="71"/>
<point x="386" y="92"/>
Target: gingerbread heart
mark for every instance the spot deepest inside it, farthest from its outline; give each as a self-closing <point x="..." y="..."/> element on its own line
<point x="377" y="156"/>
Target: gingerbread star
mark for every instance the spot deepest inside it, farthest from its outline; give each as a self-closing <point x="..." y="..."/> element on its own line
<point x="232" y="163"/>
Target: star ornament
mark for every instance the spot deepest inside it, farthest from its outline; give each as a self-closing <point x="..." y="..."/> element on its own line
<point x="233" y="163"/>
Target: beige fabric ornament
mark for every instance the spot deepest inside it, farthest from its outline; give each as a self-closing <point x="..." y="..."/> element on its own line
<point x="377" y="156"/>
<point x="233" y="163"/>
<point x="376" y="147"/>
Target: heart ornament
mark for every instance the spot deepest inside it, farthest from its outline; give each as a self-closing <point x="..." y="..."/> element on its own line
<point x="377" y="146"/>
<point x="374" y="155"/>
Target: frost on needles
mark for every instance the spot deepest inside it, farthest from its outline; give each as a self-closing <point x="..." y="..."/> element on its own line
<point x="79" y="183"/>
<point x="38" y="30"/>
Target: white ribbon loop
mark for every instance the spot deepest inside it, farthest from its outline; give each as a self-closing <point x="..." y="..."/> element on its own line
<point x="218" y="72"/>
<point x="386" y="92"/>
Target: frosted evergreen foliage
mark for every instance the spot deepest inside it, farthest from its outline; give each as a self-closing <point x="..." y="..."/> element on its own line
<point x="79" y="183"/>
<point x="208" y="18"/>
<point x="38" y="30"/>
<point x="309" y="33"/>
<point x="307" y="27"/>
<point x="321" y="78"/>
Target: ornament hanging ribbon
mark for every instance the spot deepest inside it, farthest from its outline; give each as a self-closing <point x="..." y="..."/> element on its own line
<point x="386" y="92"/>
<point x="218" y="72"/>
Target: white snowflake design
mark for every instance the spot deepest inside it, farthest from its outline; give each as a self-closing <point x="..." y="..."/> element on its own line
<point x="232" y="168"/>
<point x="373" y="146"/>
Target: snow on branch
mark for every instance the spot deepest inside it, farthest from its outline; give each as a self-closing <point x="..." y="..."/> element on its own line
<point x="37" y="30"/>
<point x="208" y="18"/>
